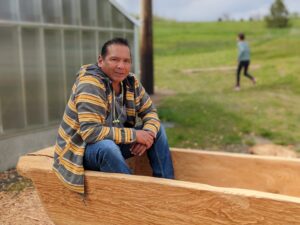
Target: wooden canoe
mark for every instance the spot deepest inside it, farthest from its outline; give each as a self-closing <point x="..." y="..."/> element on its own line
<point x="210" y="188"/>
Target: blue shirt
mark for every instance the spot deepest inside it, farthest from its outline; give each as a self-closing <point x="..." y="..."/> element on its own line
<point x="244" y="51"/>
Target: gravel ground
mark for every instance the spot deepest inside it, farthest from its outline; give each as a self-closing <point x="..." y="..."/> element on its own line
<point x="19" y="201"/>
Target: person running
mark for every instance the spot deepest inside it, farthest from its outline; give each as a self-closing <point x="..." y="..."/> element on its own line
<point x="243" y="60"/>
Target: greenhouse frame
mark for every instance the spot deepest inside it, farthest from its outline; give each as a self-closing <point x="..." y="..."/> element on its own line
<point x="43" y="43"/>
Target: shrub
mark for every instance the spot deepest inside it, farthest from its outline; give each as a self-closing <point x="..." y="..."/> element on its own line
<point x="279" y="15"/>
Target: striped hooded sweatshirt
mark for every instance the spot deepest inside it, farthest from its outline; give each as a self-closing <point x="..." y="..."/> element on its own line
<point x="84" y="121"/>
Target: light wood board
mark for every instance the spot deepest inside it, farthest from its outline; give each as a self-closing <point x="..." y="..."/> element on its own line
<point x="126" y="199"/>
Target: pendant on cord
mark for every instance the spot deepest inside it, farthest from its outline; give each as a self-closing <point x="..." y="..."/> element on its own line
<point x="116" y="121"/>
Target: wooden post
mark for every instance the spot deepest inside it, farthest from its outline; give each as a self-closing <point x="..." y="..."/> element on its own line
<point x="146" y="47"/>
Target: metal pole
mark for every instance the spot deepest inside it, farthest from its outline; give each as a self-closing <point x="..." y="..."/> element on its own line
<point x="146" y="47"/>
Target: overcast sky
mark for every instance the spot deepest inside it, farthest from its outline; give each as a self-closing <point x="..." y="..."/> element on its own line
<point x="208" y="10"/>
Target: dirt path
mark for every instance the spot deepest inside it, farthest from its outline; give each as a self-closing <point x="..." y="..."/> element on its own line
<point x="160" y="95"/>
<point x="216" y="69"/>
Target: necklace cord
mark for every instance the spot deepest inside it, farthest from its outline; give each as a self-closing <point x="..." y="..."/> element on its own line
<point x="115" y="119"/>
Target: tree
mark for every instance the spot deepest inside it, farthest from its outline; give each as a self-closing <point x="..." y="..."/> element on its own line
<point x="279" y="15"/>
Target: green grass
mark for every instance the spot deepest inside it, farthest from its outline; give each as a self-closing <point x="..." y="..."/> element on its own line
<point x="206" y="111"/>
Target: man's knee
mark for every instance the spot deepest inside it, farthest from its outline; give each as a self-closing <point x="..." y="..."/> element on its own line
<point x="107" y="148"/>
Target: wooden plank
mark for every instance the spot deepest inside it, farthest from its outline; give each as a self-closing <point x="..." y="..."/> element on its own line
<point x="262" y="173"/>
<point x="125" y="199"/>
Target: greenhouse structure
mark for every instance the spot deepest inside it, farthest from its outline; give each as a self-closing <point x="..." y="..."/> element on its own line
<point x="43" y="43"/>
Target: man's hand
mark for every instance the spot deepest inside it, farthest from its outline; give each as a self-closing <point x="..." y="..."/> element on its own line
<point x="138" y="149"/>
<point x="145" y="138"/>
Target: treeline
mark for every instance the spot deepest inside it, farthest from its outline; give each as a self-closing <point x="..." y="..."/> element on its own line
<point x="279" y="16"/>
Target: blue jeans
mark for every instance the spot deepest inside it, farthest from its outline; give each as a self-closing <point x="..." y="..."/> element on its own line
<point x="107" y="156"/>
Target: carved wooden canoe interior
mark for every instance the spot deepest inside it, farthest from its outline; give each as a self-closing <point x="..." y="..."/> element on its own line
<point x="210" y="188"/>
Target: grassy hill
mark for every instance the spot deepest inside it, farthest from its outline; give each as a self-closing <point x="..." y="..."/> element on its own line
<point x="197" y="62"/>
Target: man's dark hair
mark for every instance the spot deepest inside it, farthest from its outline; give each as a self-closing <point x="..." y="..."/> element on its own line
<point x="241" y="36"/>
<point x="114" y="41"/>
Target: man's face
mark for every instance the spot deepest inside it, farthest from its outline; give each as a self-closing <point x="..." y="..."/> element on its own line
<point x="117" y="62"/>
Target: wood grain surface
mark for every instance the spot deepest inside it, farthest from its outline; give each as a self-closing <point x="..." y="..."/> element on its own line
<point x="126" y="199"/>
